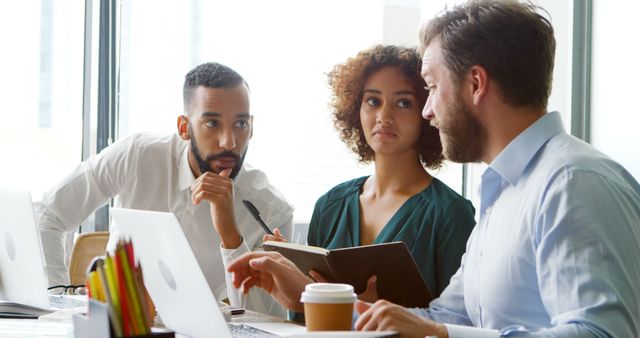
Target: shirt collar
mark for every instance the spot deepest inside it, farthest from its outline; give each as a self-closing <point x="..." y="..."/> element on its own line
<point x="186" y="177"/>
<point x="514" y="159"/>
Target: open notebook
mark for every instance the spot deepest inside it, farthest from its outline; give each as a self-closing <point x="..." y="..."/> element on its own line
<point x="23" y="281"/>
<point x="399" y="280"/>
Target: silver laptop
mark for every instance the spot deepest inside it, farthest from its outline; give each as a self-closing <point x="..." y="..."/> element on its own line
<point x="178" y="286"/>
<point x="23" y="280"/>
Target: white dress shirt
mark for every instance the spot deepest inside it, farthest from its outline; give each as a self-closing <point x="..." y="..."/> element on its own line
<point x="555" y="253"/>
<point x="153" y="173"/>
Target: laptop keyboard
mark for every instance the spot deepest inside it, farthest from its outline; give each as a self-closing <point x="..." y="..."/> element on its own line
<point x="244" y="331"/>
<point x="58" y="302"/>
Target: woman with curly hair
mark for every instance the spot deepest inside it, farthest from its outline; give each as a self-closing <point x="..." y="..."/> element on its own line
<point x="377" y="99"/>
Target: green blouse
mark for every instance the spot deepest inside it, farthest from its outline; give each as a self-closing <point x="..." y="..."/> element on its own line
<point x="434" y="224"/>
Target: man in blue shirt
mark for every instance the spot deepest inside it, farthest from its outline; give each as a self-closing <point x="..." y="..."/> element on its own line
<point x="556" y="252"/>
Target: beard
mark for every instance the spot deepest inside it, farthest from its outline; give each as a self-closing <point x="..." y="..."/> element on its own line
<point x="203" y="163"/>
<point x="463" y="137"/>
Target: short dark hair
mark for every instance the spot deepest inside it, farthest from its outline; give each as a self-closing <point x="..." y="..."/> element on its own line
<point x="347" y="88"/>
<point x="211" y="75"/>
<point x="511" y="40"/>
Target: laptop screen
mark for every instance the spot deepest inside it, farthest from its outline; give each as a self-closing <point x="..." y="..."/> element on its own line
<point x="22" y="275"/>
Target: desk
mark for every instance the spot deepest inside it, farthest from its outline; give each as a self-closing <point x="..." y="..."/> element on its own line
<point x="31" y="328"/>
<point x="59" y="324"/>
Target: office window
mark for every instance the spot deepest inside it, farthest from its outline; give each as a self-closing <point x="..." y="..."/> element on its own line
<point x="614" y="86"/>
<point x="41" y="89"/>
<point x="284" y="50"/>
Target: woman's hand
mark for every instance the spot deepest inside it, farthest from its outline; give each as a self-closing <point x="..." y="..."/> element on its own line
<point x="370" y="295"/>
<point x="277" y="236"/>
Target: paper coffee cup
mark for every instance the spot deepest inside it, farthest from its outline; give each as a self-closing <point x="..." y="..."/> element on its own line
<point x="328" y="306"/>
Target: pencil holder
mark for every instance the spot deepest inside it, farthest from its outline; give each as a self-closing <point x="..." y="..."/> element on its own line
<point x="96" y="324"/>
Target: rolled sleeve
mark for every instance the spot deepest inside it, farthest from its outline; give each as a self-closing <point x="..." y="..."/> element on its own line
<point x="62" y="210"/>
<point x="236" y="298"/>
<point x="64" y="207"/>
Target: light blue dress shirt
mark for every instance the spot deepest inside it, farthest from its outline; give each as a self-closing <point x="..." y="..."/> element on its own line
<point x="556" y="252"/>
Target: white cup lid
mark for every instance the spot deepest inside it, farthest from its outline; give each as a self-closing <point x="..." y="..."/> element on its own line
<point x="328" y="293"/>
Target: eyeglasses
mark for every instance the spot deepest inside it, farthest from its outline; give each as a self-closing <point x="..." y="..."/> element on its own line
<point x="67" y="290"/>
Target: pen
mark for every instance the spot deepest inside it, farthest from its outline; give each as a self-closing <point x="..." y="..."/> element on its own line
<point x="256" y="214"/>
<point x="237" y="312"/>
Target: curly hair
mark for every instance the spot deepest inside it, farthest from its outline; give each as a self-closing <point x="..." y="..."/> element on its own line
<point x="347" y="85"/>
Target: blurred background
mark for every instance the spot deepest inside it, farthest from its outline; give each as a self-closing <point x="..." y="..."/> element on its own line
<point x="77" y="75"/>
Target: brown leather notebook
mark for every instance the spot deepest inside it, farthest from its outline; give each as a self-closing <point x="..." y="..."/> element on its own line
<point x="399" y="280"/>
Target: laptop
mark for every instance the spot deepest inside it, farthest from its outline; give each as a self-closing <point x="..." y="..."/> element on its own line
<point x="178" y="286"/>
<point x="23" y="280"/>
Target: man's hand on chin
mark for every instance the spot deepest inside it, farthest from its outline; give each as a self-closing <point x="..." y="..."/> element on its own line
<point x="386" y="316"/>
<point x="218" y="190"/>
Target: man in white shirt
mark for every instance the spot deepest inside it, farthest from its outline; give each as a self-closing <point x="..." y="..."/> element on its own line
<point x="198" y="174"/>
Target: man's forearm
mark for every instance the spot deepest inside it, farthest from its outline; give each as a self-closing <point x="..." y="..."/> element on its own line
<point x="231" y="239"/>
<point x="572" y="330"/>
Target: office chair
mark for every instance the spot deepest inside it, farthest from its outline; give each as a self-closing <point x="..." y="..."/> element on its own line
<point x="87" y="246"/>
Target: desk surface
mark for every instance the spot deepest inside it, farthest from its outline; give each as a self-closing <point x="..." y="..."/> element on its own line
<point x="27" y="328"/>
<point x="59" y="324"/>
